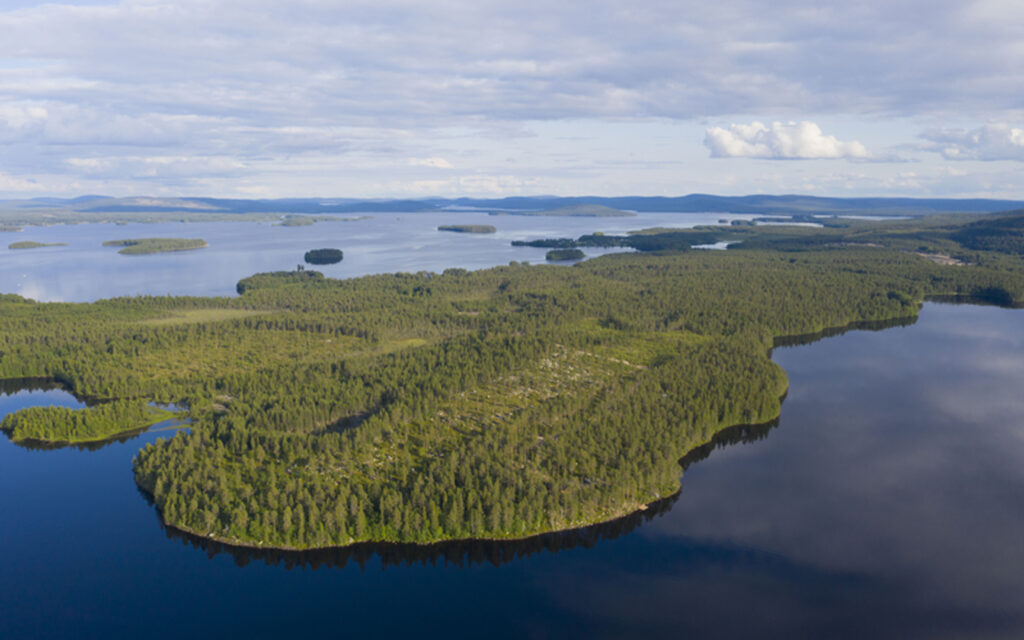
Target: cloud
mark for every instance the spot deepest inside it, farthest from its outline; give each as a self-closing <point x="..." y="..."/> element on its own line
<point x="340" y="87"/>
<point x="435" y="162"/>
<point x="989" y="142"/>
<point x="13" y="184"/>
<point x="780" y="141"/>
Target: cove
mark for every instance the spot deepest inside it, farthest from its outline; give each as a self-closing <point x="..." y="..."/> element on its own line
<point x="24" y="393"/>
<point x="884" y="503"/>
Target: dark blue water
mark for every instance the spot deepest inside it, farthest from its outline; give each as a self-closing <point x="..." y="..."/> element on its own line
<point x="887" y="502"/>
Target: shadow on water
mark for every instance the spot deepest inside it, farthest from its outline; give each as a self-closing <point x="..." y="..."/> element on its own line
<point x="13" y="386"/>
<point x="867" y="325"/>
<point x="42" y="445"/>
<point x="990" y="297"/>
<point x="464" y="553"/>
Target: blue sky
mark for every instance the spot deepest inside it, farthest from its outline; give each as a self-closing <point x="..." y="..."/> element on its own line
<point x="383" y="98"/>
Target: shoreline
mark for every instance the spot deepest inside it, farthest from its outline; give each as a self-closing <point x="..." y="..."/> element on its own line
<point x="721" y="436"/>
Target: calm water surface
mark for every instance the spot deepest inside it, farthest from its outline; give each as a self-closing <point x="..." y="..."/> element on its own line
<point x="886" y="502"/>
<point x="84" y="270"/>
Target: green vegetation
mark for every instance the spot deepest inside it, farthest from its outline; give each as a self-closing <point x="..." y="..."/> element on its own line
<point x="964" y="238"/>
<point x="573" y="211"/>
<point x="323" y="256"/>
<point x="468" y="228"/>
<point x="62" y="425"/>
<point x="200" y="316"/>
<point x="1003" y="233"/>
<point x="556" y="255"/>
<point x="144" y="246"/>
<point x="28" y="244"/>
<point x="276" y="279"/>
<point x="498" y="403"/>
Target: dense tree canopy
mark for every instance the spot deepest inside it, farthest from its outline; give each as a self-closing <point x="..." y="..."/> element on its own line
<point x="498" y="403"/>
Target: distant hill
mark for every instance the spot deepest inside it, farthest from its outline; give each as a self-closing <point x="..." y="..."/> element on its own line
<point x="572" y="211"/>
<point x="63" y="209"/>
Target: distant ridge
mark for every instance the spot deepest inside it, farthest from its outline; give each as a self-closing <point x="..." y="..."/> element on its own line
<point x="693" y="203"/>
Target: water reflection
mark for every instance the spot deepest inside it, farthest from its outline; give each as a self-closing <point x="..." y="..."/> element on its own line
<point x="454" y="554"/>
<point x="383" y="243"/>
<point x="888" y="505"/>
<point x="96" y="445"/>
<point x="11" y="386"/>
<point x="22" y="393"/>
<point x="831" y="332"/>
<point x="463" y="553"/>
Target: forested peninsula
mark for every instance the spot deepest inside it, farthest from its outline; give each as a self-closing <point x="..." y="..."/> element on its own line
<point x="497" y="404"/>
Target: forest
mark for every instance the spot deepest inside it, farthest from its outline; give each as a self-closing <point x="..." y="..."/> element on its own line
<point x="323" y="256"/>
<point x="144" y="246"/>
<point x="61" y="425"/>
<point x="468" y="228"/>
<point x="560" y="255"/>
<point x="495" y="404"/>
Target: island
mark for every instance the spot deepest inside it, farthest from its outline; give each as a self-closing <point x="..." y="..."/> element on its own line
<point x="468" y="228"/>
<point x="492" y="404"/>
<point x="144" y="246"/>
<point x="9" y="228"/>
<point x="298" y="220"/>
<point x="60" y="425"/>
<point x="573" y="211"/>
<point x="28" y="244"/>
<point x="323" y="256"/>
<point x="559" y="255"/>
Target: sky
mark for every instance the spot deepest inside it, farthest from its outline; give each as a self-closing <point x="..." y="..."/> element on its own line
<point x="410" y="98"/>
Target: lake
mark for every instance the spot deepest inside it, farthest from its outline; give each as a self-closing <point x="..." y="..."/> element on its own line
<point x="884" y="503"/>
<point x="84" y="270"/>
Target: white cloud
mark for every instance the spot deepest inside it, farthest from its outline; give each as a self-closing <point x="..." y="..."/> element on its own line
<point x="16" y="185"/>
<point x="301" y="93"/>
<point x="789" y="141"/>
<point x="435" y="162"/>
<point x="989" y="142"/>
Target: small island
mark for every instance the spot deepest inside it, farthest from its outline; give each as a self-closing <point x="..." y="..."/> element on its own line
<point x="468" y="228"/>
<point x="9" y="228"/>
<point x="144" y="246"/>
<point x="563" y="255"/>
<point x="301" y="220"/>
<point x="28" y="244"/>
<point x="323" y="256"/>
<point x="573" y="211"/>
<point x="60" y="425"/>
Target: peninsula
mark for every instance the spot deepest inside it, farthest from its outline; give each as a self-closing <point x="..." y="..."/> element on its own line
<point x="498" y="403"/>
